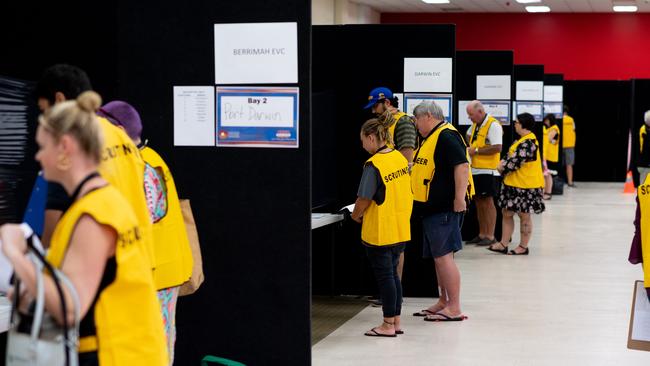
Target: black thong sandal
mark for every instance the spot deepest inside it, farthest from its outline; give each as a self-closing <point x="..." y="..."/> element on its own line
<point x="424" y="313"/>
<point x="502" y="251"/>
<point x="525" y="252"/>
<point x="445" y="318"/>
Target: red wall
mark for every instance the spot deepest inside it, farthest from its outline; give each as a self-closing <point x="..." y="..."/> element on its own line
<point x="580" y="46"/>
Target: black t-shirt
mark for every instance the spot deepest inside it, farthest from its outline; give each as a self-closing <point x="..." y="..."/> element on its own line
<point x="450" y="151"/>
<point x="57" y="197"/>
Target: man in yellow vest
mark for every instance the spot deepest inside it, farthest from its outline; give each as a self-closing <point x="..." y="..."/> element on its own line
<point x="439" y="180"/>
<point x="485" y="139"/>
<point x="569" y="145"/>
<point x="643" y="162"/>
<point x="401" y="129"/>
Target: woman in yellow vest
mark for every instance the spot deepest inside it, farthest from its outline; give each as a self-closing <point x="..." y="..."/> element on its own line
<point x="97" y="243"/>
<point x="173" y="257"/>
<point x="551" y="153"/>
<point x="383" y="207"/>
<point x="523" y="183"/>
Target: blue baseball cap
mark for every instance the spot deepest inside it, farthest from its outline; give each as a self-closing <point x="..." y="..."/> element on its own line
<point x="378" y="94"/>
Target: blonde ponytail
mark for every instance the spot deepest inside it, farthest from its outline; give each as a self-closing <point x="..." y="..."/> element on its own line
<point x="377" y="128"/>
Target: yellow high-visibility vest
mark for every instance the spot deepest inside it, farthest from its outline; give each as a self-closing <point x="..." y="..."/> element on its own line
<point x="122" y="166"/>
<point x="483" y="161"/>
<point x="529" y="174"/>
<point x="173" y="256"/>
<point x="552" y="150"/>
<point x="569" y="136"/>
<point x="128" y="322"/>
<point x="389" y="222"/>
<point x="643" y="193"/>
<point x="424" y="166"/>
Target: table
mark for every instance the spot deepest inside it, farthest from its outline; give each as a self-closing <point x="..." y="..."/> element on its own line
<point x="5" y="313"/>
<point x="323" y="219"/>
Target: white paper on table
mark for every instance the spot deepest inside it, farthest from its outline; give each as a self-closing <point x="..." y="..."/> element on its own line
<point x="641" y="326"/>
<point x="194" y="116"/>
<point x="6" y="269"/>
<point x="493" y="87"/>
<point x="348" y="207"/>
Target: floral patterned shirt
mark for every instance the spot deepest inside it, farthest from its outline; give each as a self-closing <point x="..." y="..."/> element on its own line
<point x="526" y="152"/>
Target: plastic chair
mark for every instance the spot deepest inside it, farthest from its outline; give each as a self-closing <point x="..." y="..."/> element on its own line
<point x="220" y="361"/>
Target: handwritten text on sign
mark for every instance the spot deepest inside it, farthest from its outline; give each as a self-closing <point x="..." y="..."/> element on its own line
<point x="257" y="111"/>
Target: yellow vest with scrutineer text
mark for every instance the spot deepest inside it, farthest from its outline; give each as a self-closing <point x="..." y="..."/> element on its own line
<point x="389" y="222"/>
<point x="643" y="192"/>
<point x="424" y="166"/>
<point x="127" y="319"/>
<point x="483" y="161"/>
<point x="552" y="150"/>
<point x="122" y="166"/>
<point x="173" y="256"/>
<point x="529" y="174"/>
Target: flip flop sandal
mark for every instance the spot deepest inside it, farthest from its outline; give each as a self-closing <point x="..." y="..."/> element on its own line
<point x="445" y="318"/>
<point x="424" y="313"/>
<point x="373" y="333"/>
<point x="399" y="332"/>
<point x="525" y="252"/>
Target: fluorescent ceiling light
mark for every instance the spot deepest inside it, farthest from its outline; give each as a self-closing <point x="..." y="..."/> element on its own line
<point x="538" y="9"/>
<point x="436" y="1"/>
<point x="528" y="1"/>
<point x="625" y="8"/>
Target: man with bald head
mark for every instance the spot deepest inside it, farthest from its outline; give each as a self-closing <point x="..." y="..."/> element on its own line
<point x="485" y="138"/>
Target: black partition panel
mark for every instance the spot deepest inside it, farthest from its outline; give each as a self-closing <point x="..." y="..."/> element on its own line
<point x="601" y="110"/>
<point x="469" y="65"/>
<point x="349" y="61"/>
<point x="529" y="73"/>
<point x="640" y="97"/>
<point x="556" y="80"/>
<point x="252" y="206"/>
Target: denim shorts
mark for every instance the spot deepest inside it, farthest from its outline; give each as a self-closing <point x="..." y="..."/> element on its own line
<point x="441" y="234"/>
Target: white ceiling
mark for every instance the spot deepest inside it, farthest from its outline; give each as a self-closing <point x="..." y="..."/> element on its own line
<point x="498" y="6"/>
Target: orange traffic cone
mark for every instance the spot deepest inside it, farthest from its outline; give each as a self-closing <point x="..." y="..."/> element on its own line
<point x="629" y="184"/>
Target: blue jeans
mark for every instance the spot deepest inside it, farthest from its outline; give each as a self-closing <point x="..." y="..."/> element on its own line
<point x="384" y="262"/>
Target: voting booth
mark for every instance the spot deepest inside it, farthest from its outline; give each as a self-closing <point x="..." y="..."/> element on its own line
<point x="486" y="76"/>
<point x="414" y="61"/>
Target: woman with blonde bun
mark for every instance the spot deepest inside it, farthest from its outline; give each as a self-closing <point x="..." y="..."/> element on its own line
<point x="96" y="244"/>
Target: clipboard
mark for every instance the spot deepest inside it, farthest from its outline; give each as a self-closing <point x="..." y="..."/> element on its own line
<point x="639" y="320"/>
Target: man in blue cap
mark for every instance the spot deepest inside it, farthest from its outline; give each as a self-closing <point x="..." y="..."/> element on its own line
<point x="401" y="128"/>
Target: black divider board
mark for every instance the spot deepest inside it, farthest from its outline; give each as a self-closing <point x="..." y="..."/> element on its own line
<point x="556" y="79"/>
<point x="470" y="64"/>
<point x="529" y="73"/>
<point x="252" y="205"/>
<point x="640" y="103"/>
<point x="601" y="110"/>
<point x="348" y="62"/>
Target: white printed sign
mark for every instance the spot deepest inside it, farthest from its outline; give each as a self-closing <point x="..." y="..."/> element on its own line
<point x="493" y="87"/>
<point x="194" y="116"/>
<point x="530" y="90"/>
<point x="497" y="109"/>
<point x="553" y="93"/>
<point x="428" y="75"/>
<point x="256" y="53"/>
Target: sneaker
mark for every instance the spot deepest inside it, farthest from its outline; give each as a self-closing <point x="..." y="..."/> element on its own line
<point x="474" y="241"/>
<point x="376" y="303"/>
<point x="486" y="242"/>
<point x="573" y="185"/>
